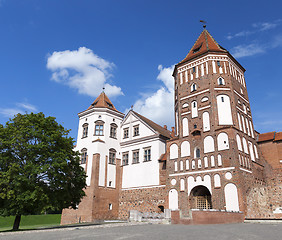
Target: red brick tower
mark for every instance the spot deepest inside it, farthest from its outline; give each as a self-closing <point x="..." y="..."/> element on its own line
<point x="214" y="159"/>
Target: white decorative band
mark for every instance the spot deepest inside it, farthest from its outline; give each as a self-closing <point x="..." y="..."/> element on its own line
<point x="204" y="171"/>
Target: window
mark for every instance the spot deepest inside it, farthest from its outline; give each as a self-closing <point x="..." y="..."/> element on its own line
<point x="147" y="154"/>
<point x="83" y="157"/>
<point x="85" y="130"/>
<point x="193" y="87"/>
<point x="218" y="63"/>
<point x="135" y="156"/>
<point x="125" y="133"/>
<point x="125" y="159"/>
<point x="197" y="48"/>
<point x="112" y="156"/>
<point x="220" y="81"/>
<point x="197" y="153"/>
<point x="99" y="126"/>
<point x="194" y="69"/>
<point x="136" y="130"/>
<point x="113" y="131"/>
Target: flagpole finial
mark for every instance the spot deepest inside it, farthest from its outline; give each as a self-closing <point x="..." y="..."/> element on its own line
<point x="204" y="23"/>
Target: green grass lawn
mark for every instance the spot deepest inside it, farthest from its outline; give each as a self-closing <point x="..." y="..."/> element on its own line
<point x="30" y="221"/>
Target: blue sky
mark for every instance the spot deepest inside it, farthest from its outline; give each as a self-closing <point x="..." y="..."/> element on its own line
<point x="56" y="55"/>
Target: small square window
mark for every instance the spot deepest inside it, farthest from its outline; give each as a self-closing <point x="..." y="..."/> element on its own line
<point x="147" y="154"/>
<point x="135" y="158"/>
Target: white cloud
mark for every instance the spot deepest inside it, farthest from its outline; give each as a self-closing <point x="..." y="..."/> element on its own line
<point x="21" y="108"/>
<point x="247" y="50"/>
<point x="258" y="27"/>
<point x="82" y="70"/>
<point x="159" y="105"/>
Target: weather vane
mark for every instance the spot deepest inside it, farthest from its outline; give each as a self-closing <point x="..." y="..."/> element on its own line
<point x="104" y="89"/>
<point x="204" y="23"/>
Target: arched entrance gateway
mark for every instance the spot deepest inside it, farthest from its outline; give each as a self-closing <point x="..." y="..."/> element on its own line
<point x="200" y="198"/>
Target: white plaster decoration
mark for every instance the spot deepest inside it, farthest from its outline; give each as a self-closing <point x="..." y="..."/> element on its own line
<point x="193" y="164"/>
<point x="256" y="151"/>
<point x="241" y="96"/>
<point x="219" y="160"/>
<point x="197" y="72"/>
<point x="216" y="179"/>
<point x="224" y="110"/>
<point x="185" y="128"/>
<point x="202" y="171"/>
<point x="245" y="146"/>
<point x="206" y="121"/>
<point x="195" y="94"/>
<point x="199" y="182"/>
<point x="213" y="67"/>
<point x="199" y="163"/>
<point x="173" y="181"/>
<point x="228" y="175"/>
<point x="212" y="161"/>
<point x="205" y="99"/>
<point x="207" y="68"/>
<point x="185" y="149"/>
<point x="181" y="78"/>
<point x="231" y="197"/>
<point x="239" y="144"/>
<point x="243" y="123"/>
<point x="185" y="105"/>
<point x="202" y="70"/>
<point x="240" y="161"/>
<point x="247" y="126"/>
<point x="208" y="144"/>
<point x="222" y="141"/>
<point x="181" y="166"/>
<point x="173" y="151"/>
<point x="173" y="199"/>
<point x="220" y="70"/>
<point x="186" y="76"/>
<point x="239" y="121"/>
<point x="187" y="164"/>
<point x="175" y="166"/>
<point x="194" y="109"/>
<point x="225" y="70"/>
<point x="203" y="108"/>
<point x="182" y="184"/>
<point x="252" y="155"/>
<point x="251" y="129"/>
<point x="206" y="162"/>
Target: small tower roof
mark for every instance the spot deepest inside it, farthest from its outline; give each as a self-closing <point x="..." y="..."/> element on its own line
<point x="102" y="101"/>
<point x="205" y="43"/>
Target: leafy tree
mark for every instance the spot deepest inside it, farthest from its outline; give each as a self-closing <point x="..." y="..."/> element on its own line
<point x="39" y="170"/>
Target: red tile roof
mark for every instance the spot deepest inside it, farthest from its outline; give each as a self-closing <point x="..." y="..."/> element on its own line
<point x="205" y="43"/>
<point x="102" y="101"/>
<point x="266" y="136"/>
<point x="278" y="136"/>
<point x="162" y="131"/>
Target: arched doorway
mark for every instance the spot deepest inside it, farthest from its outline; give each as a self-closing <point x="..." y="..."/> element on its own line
<point x="200" y="198"/>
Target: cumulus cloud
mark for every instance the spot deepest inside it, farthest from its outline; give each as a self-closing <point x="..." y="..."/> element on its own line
<point x="82" y="70"/>
<point x="21" y="108"/>
<point x="159" y="106"/>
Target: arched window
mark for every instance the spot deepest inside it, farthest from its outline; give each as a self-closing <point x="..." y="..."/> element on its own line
<point x="193" y="87"/>
<point x="212" y="161"/>
<point x="182" y="184"/>
<point x="83" y="157"/>
<point x="220" y="81"/>
<point x="85" y="130"/>
<point x="222" y="141"/>
<point x="217" y="180"/>
<point x="99" y="127"/>
<point x="208" y="144"/>
<point x="219" y="160"/>
<point x="173" y="151"/>
<point x="112" y="156"/>
<point x="181" y="165"/>
<point x="185" y="149"/>
<point x="206" y="121"/>
<point x="194" y="109"/>
<point x="197" y="152"/>
<point x="206" y="162"/>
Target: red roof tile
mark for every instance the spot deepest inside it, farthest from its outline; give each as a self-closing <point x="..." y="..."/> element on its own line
<point x="278" y="136"/>
<point x="266" y="137"/>
<point x="205" y="43"/>
<point x="102" y="101"/>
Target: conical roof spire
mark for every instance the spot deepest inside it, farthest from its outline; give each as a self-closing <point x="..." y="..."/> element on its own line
<point x="205" y="43"/>
<point x="102" y="101"/>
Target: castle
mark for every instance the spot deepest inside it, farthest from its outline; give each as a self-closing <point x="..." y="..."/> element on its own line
<point x="212" y="167"/>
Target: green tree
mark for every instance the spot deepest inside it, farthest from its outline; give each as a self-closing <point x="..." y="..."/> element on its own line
<point x="39" y="170"/>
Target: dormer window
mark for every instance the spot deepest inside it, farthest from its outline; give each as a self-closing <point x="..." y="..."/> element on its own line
<point x="197" y="48"/>
<point x="85" y="130"/>
<point x="109" y="105"/>
<point x="99" y="127"/>
<point x="93" y="104"/>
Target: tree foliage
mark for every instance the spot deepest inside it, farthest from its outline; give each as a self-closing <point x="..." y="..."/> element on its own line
<point x="39" y="170"/>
